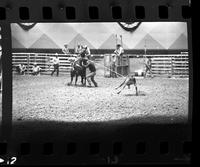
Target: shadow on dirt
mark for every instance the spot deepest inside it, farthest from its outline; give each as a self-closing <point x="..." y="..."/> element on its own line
<point x="38" y="132"/>
<point x="52" y="130"/>
<point x="134" y="94"/>
<point x="81" y="86"/>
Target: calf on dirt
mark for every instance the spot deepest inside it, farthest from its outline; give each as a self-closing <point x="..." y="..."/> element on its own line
<point x="127" y="82"/>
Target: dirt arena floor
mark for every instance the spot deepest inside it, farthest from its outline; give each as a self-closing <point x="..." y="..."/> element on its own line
<point x="160" y="100"/>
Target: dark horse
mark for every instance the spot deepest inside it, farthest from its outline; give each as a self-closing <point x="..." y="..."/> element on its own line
<point x="79" y="70"/>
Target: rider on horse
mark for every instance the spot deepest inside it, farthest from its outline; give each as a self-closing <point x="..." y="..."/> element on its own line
<point x="80" y="58"/>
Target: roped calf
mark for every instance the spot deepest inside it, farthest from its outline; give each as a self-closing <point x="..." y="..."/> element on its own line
<point x="130" y="80"/>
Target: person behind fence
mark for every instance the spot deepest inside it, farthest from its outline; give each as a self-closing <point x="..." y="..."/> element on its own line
<point x="119" y="50"/>
<point x="116" y="58"/>
<point x="147" y="61"/>
<point x="21" y="68"/>
<point x="55" y="65"/>
<point x="78" y="49"/>
<point x="65" y="50"/>
<point x="113" y="66"/>
<point x="90" y="64"/>
<point x="36" y="69"/>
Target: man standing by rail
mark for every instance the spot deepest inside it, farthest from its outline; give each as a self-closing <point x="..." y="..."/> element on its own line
<point x="65" y="50"/>
<point x="116" y="60"/>
<point x="78" y="49"/>
<point x="55" y="65"/>
<point x="147" y="61"/>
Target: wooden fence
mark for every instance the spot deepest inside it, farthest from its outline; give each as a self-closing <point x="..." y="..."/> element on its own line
<point x="176" y="65"/>
<point x="44" y="60"/>
<point x="162" y="65"/>
<point x="122" y="65"/>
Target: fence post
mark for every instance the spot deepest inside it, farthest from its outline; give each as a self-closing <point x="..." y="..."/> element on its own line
<point x="45" y="64"/>
<point x="104" y="65"/>
<point x="172" y="69"/>
<point x="122" y="65"/>
<point x="110" y="66"/>
<point x="28" y="61"/>
<point x="128" y="65"/>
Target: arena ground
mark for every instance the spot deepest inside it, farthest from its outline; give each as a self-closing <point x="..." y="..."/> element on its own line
<point x="160" y="100"/>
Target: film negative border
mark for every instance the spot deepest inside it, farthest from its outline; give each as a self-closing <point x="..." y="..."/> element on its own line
<point x="117" y="147"/>
<point x="94" y="10"/>
<point x="96" y="152"/>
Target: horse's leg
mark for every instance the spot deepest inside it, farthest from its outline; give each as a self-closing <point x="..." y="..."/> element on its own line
<point x="84" y="76"/>
<point x="71" y="79"/>
<point x="76" y="79"/>
<point x="135" y="84"/>
<point x="82" y="80"/>
<point x="136" y="90"/>
<point x="72" y="76"/>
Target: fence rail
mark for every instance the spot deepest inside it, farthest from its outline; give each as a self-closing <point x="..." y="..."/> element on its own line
<point x="171" y="65"/>
<point x="44" y="60"/>
<point x="165" y="65"/>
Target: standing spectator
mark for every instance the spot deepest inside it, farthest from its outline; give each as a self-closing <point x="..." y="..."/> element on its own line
<point x="116" y="59"/>
<point x="79" y="49"/>
<point x="55" y="65"/>
<point x="36" y="69"/>
<point x="65" y="50"/>
<point x="113" y="66"/>
<point x="147" y="62"/>
<point x="119" y="52"/>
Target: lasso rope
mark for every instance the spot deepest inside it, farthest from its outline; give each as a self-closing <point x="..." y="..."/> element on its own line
<point x="110" y="69"/>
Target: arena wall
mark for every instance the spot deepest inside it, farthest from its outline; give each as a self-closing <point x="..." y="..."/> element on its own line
<point x="101" y="36"/>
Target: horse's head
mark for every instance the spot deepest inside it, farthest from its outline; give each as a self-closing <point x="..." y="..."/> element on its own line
<point x="83" y="53"/>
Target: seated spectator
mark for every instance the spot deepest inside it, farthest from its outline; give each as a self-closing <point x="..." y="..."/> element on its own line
<point x="36" y="69"/>
<point x="21" y="69"/>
